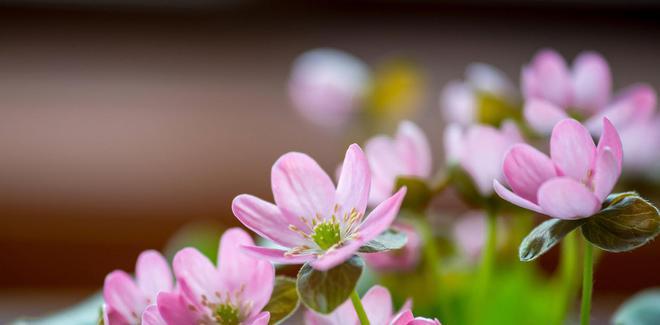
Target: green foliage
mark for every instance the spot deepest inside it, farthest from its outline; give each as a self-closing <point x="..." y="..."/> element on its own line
<point x="545" y="236"/>
<point x="418" y="193"/>
<point x="388" y="240"/>
<point x="284" y="300"/>
<point x="325" y="291"/>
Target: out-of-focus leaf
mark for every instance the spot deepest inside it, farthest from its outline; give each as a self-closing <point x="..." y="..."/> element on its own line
<point x="464" y="184"/>
<point x="627" y="222"/>
<point x="388" y="240"/>
<point x="545" y="236"/>
<point x="418" y="193"/>
<point x="641" y="309"/>
<point x="493" y="109"/>
<point x="204" y="236"/>
<point x="85" y="312"/>
<point x="325" y="291"/>
<point x="284" y="300"/>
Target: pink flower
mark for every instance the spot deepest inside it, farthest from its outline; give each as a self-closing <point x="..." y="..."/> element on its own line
<point x="469" y="232"/>
<point x="402" y="259"/>
<point x="377" y="304"/>
<point x="574" y="182"/>
<point x="642" y="146"/>
<point x="317" y="222"/>
<point x="327" y="85"/>
<point x="554" y="93"/>
<point x="235" y="291"/>
<point x="125" y="299"/>
<point x="407" y="154"/>
<point x="459" y="99"/>
<point x="480" y="150"/>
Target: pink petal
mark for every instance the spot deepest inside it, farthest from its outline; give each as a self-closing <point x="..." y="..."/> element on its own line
<point x="354" y="182"/>
<point x="505" y="194"/>
<point x="377" y="304"/>
<point x="174" y="309"/>
<point x="526" y="169"/>
<point x="301" y="188"/>
<point x="196" y="275"/>
<point x="453" y="142"/>
<point x="552" y="80"/>
<point x="240" y="271"/>
<point x="337" y="256"/>
<point x="385" y="166"/>
<point x="122" y="295"/>
<point x="344" y="315"/>
<point x="610" y="139"/>
<point x="606" y="173"/>
<point x="267" y="221"/>
<point x="260" y="319"/>
<point x="634" y="105"/>
<point x="404" y="259"/>
<point x="488" y="79"/>
<point x="572" y="149"/>
<point x="403" y="318"/>
<point x="424" y="321"/>
<point x="413" y="149"/>
<point x="382" y="216"/>
<point x="276" y="255"/>
<point x="592" y="82"/>
<point x="151" y="316"/>
<point x="566" y="198"/>
<point x="542" y="115"/>
<point x="458" y="103"/>
<point x="112" y="317"/>
<point x="153" y="274"/>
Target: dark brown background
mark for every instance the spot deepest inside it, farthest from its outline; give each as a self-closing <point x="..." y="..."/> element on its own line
<point x="119" y="124"/>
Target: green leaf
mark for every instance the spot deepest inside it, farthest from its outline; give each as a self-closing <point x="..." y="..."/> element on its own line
<point x="627" y="222"/>
<point x="641" y="309"/>
<point x="464" y="184"/>
<point x="418" y="194"/>
<point x="283" y="301"/>
<point x="325" y="291"/>
<point x="388" y="240"/>
<point x="545" y="236"/>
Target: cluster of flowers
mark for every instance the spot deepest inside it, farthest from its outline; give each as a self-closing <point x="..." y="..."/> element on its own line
<point x="316" y="223"/>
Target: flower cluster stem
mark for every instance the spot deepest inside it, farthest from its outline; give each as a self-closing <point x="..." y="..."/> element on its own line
<point x="587" y="282"/>
<point x="357" y="303"/>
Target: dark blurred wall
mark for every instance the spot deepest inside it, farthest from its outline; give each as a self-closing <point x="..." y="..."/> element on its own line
<point x="119" y="125"/>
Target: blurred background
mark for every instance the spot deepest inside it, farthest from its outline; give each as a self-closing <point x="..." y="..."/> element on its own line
<point x="123" y="121"/>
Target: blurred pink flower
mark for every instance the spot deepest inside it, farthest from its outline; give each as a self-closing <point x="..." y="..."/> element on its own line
<point x="126" y="299"/>
<point x="327" y="86"/>
<point x="571" y="185"/>
<point x="407" y="154"/>
<point x="233" y="292"/>
<point x="402" y="259"/>
<point x="377" y="304"/>
<point x="469" y="232"/>
<point x="317" y="222"/>
<point x="480" y="150"/>
<point x="553" y="93"/>
<point x="458" y="99"/>
<point x="642" y="147"/>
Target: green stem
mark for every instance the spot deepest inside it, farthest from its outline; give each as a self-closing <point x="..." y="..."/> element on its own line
<point x="432" y="259"/>
<point x="587" y="282"/>
<point x="490" y="248"/>
<point x="568" y="270"/>
<point x="357" y="303"/>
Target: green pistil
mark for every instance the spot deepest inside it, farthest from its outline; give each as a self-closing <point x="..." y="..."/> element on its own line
<point x="326" y="234"/>
<point x="226" y="314"/>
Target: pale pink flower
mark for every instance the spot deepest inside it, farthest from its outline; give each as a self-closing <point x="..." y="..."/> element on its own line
<point x="315" y="221"/>
<point x="553" y="93"/>
<point x="574" y="182"/>
<point x="402" y="259"/>
<point x="406" y="154"/>
<point x="459" y="99"/>
<point x="480" y="150"/>
<point x="125" y="299"/>
<point x="642" y="146"/>
<point x="235" y="291"/>
<point x="469" y="232"/>
<point x="377" y="304"/>
<point x="327" y="86"/>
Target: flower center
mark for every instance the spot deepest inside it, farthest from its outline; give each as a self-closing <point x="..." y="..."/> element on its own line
<point x="326" y="234"/>
<point x="226" y="314"/>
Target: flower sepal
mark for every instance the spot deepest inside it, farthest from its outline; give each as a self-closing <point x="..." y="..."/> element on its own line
<point x="324" y="291"/>
<point x="391" y="239"/>
<point x="284" y="300"/>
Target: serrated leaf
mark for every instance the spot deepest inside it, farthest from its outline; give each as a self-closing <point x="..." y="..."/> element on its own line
<point x="627" y="222"/>
<point x="641" y="309"/>
<point x="323" y="292"/>
<point x="388" y="240"/>
<point x="418" y="194"/>
<point x="283" y="301"/>
<point x="545" y="236"/>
